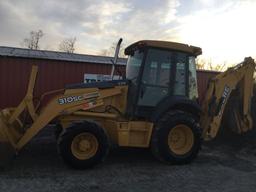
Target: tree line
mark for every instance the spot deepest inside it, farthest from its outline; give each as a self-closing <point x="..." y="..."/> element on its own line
<point x="34" y="39"/>
<point x="206" y="64"/>
<point x="68" y="45"/>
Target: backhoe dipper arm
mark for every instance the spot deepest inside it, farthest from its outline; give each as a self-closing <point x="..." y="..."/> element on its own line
<point x="239" y="78"/>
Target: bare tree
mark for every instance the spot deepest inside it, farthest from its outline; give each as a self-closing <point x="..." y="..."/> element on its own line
<point x="206" y="64"/>
<point x="217" y="67"/>
<point x="32" y="42"/>
<point x="200" y="64"/>
<point x="68" y="45"/>
<point x="111" y="50"/>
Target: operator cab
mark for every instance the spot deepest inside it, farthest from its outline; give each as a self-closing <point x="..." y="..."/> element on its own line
<point x="158" y="72"/>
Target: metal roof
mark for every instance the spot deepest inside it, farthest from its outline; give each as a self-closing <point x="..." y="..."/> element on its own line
<point x="54" y="55"/>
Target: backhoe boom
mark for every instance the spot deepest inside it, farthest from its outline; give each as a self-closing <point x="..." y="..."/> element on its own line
<point x="220" y="90"/>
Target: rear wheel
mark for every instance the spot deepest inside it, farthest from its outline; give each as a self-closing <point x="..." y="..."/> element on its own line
<point x="83" y="145"/>
<point x="176" y="138"/>
<point x="180" y="139"/>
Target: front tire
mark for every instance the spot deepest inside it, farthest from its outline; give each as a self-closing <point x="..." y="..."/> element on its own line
<point x="57" y="131"/>
<point x="83" y="145"/>
<point x="176" y="138"/>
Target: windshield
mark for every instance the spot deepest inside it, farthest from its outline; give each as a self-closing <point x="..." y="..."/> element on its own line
<point x="133" y="65"/>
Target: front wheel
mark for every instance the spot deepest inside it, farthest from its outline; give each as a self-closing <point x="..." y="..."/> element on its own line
<point x="83" y="145"/>
<point x="176" y="138"/>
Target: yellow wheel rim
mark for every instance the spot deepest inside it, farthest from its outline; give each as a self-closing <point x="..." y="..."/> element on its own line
<point x="180" y="139"/>
<point x="84" y="146"/>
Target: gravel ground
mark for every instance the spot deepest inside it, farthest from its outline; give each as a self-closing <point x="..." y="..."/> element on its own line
<point x="224" y="165"/>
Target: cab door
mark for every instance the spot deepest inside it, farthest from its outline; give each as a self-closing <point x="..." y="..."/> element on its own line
<point x="156" y="77"/>
<point x="164" y="75"/>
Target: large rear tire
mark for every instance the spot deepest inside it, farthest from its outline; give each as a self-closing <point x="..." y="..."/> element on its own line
<point x="176" y="138"/>
<point x="83" y="145"/>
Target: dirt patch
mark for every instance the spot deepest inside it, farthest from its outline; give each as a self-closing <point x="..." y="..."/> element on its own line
<point x="228" y="165"/>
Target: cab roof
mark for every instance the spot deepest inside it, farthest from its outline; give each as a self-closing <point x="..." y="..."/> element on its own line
<point x="165" y="45"/>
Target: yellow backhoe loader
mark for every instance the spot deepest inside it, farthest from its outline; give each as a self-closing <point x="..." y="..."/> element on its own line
<point x="153" y="107"/>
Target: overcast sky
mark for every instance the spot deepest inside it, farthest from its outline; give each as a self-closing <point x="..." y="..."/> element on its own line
<point x="225" y="29"/>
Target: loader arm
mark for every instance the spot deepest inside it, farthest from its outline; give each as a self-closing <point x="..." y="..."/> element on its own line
<point x="240" y="78"/>
<point x="14" y="134"/>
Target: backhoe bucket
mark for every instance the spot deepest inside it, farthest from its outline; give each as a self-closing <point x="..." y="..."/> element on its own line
<point x="7" y="150"/>
<point x="234" y="120"/>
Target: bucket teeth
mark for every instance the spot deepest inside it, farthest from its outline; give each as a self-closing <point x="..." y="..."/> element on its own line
<point x="7" y="150"/>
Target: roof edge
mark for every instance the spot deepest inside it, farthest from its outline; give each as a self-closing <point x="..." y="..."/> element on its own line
<point x="57" y="55"/>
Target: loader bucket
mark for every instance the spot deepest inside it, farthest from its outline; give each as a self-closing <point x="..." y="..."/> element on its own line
<point x="11" y="127"/>
<point x="7" y="150"/>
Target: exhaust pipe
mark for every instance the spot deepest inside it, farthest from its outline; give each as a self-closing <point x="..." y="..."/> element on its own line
<point x="115" y="58"/>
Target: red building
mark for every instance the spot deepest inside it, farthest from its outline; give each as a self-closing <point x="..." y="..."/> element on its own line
<point x="56" y="69"/>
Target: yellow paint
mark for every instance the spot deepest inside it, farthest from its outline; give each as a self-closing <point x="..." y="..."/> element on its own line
<point x="239" y="77"/>
<point x="180" y="139"/>
<point x="84" y="146"/>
